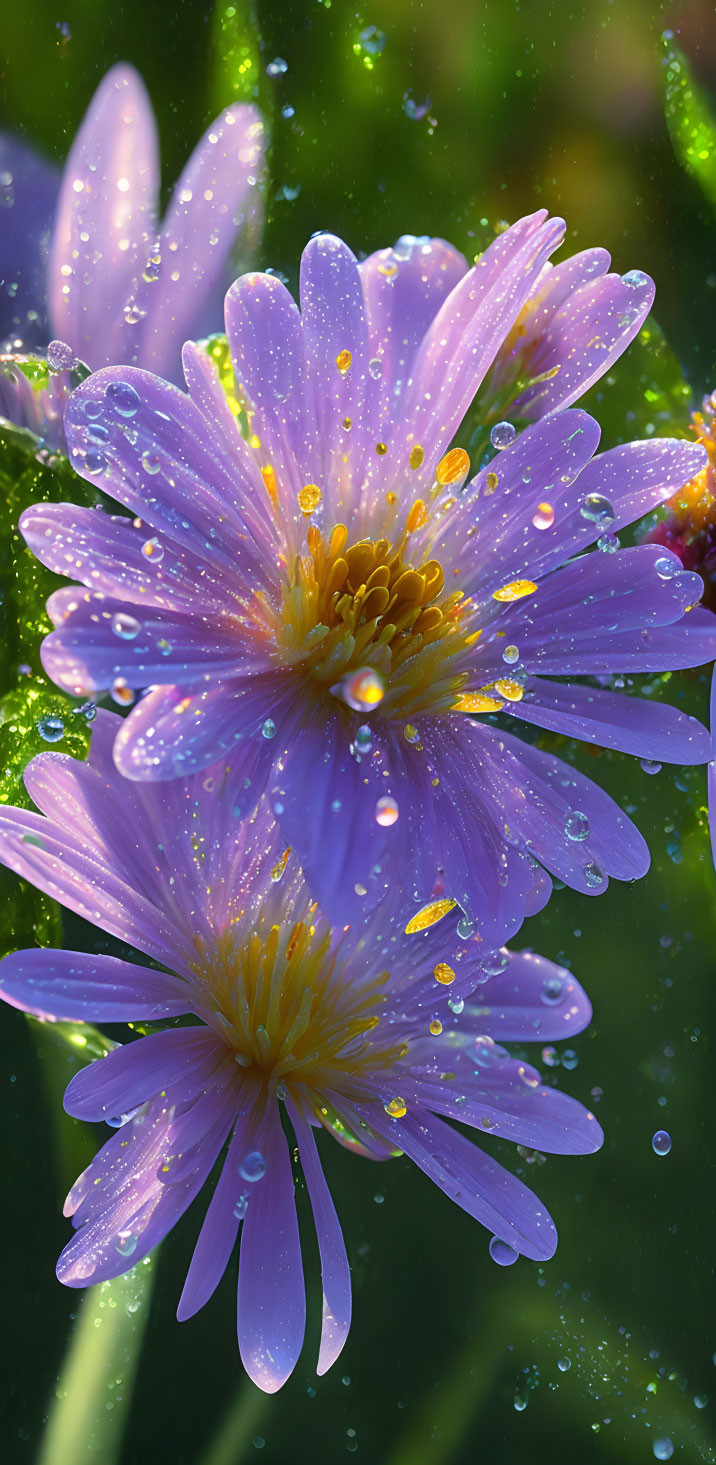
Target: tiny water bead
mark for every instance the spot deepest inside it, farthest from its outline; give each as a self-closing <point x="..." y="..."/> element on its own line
<point x="577" y="826"/>
<point x="94" y="461"/>
<point x="252" y="1167"/>
<point x="661" y="1142"/>
<point x="277" y="67"/>
<point x="241" y="1207"/>
<point x="122" y="693"/>
<point x="663" y="1448"/>
<point x="564" y="1364"/>
<point x="123" y="398"/>
<point x="503" y="435"/>
<point x="436" y="1027"/>
<point x="543" y="517"/>
<point x="153" y="550"/>
<point x="502" y="1253"/>
<point x="570" y="1059"/>
<point x="597" y="509"/>
<point x="667" y="567"/>
<point x="61" y="357"/>
<point x="268" y="730"/>
<point x="51" y="729"/>
<point x="396" y="1107"/>
<point x="363" y="689"/>
<point x="552" y="990"/>
<point x="465" y="928"/>
<point x="363" y="740"/>
<point x="386" y="812"/>
<point x="593" y="875"/>
<point x="125" y="626"/>
<point x="650" y="766"/>
<point x="510" y="655"/>
<point x="635" y="279"/>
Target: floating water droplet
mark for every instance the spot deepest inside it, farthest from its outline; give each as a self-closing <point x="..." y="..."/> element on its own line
<point x="252" y="1167"/>
<point x="277" y="67"/>
<point x="502" y="1253"/>
<point x="51" y="729"/>
<point x="543" y="517"/>
<point x="650" y="766"/>
<point x="597" y="509"/>
<point x="125" y="400"/>
<point x="700" y="1400"/>
<point x="269" y="728"/>
<point x="362" y="690"/>
<point x="416" y="111"/>
<point x="241" y="1207"/>
<point x="576" y="825"/>
<point x="61" y="357"/>
<point x="396" y="1107"/>
<point x="635" y="279"/>
<point x="125" y="626"/>
<point x="564" y="1364"/>
<point x="570" y="1059"/>
<point x="662" y="1448"/>
<point x="550" y="1056"/>
<point x="88" y="710"/>
<point x="153" y="550"/>
<point x="503" y="435"/>
<point x="386" y="812"/>
<point x="552" y="991"/>
<point x="661" y="1142"/>
<point x="372" y="40"/>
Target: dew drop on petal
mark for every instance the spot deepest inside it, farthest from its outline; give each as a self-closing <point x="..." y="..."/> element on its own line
<point x="649" y="765"/>
<point x="635" y="279"/>
<point x="396" y="1107"/>
<point x="410" y="733"/>
<point x="125" y="626"/>
<point x="417" y="455"/>
<point x="343" y="361"/>
<point x="502" y="1253"/>
<point x="436" y="1027"/>
<point x="241" y="1207"/>
<point x="362" y="689"/>
<point x="543" y="517"/>
<point x="122" y="693"/>
<point x="375" y="368"/>
<point x="126" y="1243"/>
<point x="597" y="509"/>
<point x="153" y="550"/>
<point x="593" y="875"/>
<point x="61" y="357"/>
<point x="252" y="1167"/>
<point x="503" y="435"/>
<point x="515" y="590"/>
<point x="510" y="655"/>
<point x="661" y="1142"/>
<point x="576" y="825"/>
<point x="123" y="397"/>
<point x="552" y="990"/>
<point x="465" y="928"/>
<point x="150" y="463"/>
<point x="386" y="812"/>
<point x="95" y="462"/>
<point x="667" y="566"/>
<point x="268" y="730"/>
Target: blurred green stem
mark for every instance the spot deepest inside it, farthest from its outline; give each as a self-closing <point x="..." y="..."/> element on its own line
<point x="239" y="1426"/>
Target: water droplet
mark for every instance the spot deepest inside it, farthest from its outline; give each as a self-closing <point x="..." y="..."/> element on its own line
<point x="372" y="40"/>
<point x="700" y="1400"/>
<point x="593" y="875"/>
<point x="510" y="655"/>
<point x="543" y="517"/>
<point x="452" y="470"/>
<point x="667" y="566"/>
<point x="125" y="626"/>
<point x="663" y="1448"/>
<point x="436" y="1027"/>
<point x="269" y="728"/>
<point x="661" y="1142"/>
<point x="241" y="1207"/>
<point x="150" y="463"/>
<point x="650" y="766"/>
<point x="552" y="990"/>
<point x="124" y="399"/>
<point x="564" y="1364"/>
<point x="494" y="963"/>
<point x="410" y="733"/>
<point x="61" y="357"/>
<point x="153" y="550"/>
<point x="576" y="825"/>
<point x="515" y="590"/>
<point x="550" y="1056"/>
<point x="88" y="710"/>
<point x="636" y="279"/>
<point x="386" y="812"/>
<point x="277" y="67"/>
<point x="456" y="1005"/>
<point x="127" y="1244"/>
<point x="503" y="435"/>
<point x="417" y="456"/>
<point x="375" y="368"/>
<point x="465" y="928"/>
<point x="597" y="509"/>
<point x="396" y="1107"/>
<point x="51" y="729"/>
<point x="362" y="690"/>
<point x="570" y="1059"/>
<point x="95" y="462"/>
<point x="363" y="740"/>
<point x="343" y="361"/>
<point x="122" y="693"/>
<point x="502" y="1253"/>
<point x="252" y="1167"/>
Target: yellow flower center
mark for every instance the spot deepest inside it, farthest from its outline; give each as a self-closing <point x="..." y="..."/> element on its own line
<point x="348" y="610"/>
<point x="696" y="501"/>
<point x="280" y="996"/>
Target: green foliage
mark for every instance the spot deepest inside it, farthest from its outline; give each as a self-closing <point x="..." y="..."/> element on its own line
<point x="690" y="120"/>
<point x="238" y="70"/>
<point x="645" y="394"/>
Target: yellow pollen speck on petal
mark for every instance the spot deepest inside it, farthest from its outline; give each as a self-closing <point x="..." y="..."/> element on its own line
<point x="280" y="866"/>
<point x="473" y="637"/>
<point x="347" y="424"/>
<point x="381" y="449"/>
<point x="396" y="1108"/>
<point x="391" y="498"/>
<point x="417" y="456"/>
<point x="443" y="974"/>
<point x="182" y="706"/>
<point x="515" y="590"/>
<point x="254" y="442"/>
<point x="410" y="733"/>
<point x="269" y="478"/>
<point x="309" y="498"/>
<point x="429" y="915"/>
<point x="476" y="702"/>
<point x="436" y="1027"/>
<point x="417" y="517"/>
<point x="512" y="691"/>
<point x="343" y="361"/>
<point x="453" y="468"/>
<point x="491" y="483"/>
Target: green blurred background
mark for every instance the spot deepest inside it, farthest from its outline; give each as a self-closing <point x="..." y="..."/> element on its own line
<point x="455" y="113"/>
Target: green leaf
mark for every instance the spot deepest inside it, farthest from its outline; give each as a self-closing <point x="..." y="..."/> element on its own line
<point x="239" y="74"/>
<point x="690" y="121"/>
<point x="645" y="393"/>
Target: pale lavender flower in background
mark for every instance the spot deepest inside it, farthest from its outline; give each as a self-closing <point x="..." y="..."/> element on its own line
<point x="366" y="1031"/>
<point x="321" y="601"/>
<point x="115" y="284"/>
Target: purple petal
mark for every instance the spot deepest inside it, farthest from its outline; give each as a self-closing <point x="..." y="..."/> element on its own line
<point x="217" y="197"/>
<point x="712" y="769"/>
<point x="272" y="1299"/>
<point x="171" y="733"/>
<point x="131" y="1074"/>
<point x="336" y="336"/>
<point x="614" y="720"/>
<point x="70" y="986"/>
<point x="29" y="191"/>
<point x="474" y="1181"/>
<point x="531" y="1000"/>
<point x="335" y="1272"/>
<point x="505" y="1098"/>
<point x="105" y="217"/>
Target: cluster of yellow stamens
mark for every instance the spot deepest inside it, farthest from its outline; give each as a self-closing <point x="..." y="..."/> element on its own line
<point x="696" y="501"/>
<point x="280" y="996"/>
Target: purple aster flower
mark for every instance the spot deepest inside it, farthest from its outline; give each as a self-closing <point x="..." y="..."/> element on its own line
<point x="320" y="601"/>
<point x="362" y="1030"/>
<point x="115" y="284"/>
